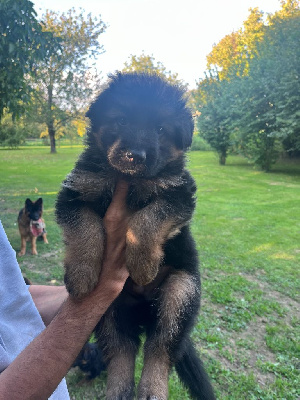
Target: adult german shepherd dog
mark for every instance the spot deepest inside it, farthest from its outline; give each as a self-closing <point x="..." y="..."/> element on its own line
<point x="140" y="130"/>
<point x="31" y="225"/>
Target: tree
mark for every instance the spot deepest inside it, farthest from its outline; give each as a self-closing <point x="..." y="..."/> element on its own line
<point x="231" y="56"/>
<point x="224" y="55"/>
<point x="273" y="112"/>
<point x="216" y="112"/>
<point x="22" y="45"/>
<point x="147" y="64"/>
<point x="66" y="82"/>
<point x="289" y="8"/>
<point x="252" y="102"/>
<point x="11" y="134"/>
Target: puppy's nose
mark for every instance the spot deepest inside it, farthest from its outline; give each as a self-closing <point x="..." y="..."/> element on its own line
<point x="138" y="156"/>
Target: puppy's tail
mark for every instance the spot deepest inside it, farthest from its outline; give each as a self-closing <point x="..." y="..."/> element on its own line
<point x="192" y="374"/>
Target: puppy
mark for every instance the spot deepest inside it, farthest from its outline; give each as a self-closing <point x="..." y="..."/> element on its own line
<point x="31" y="225"/>
<point x="90" y="360"/>
<point x="140" y="131"/>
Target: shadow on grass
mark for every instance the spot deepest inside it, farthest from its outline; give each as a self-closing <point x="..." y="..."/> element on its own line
<point x="287" y="167"/>
<point x="284" y="166"/>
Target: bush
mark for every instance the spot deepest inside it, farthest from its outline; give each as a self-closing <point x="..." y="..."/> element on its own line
<point x="11" y="134"/>
<point x="200" y="144"/>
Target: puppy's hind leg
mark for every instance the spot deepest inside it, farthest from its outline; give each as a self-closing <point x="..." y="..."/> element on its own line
<point x="176" y="306"/>
<point x="119" y="346"/>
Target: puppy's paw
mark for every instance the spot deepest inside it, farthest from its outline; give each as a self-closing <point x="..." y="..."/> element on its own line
<point x="150" y="396"/>
<point x="126" y="394"/>
<point x="143" y="262"/>
<point x="34" y="252"/>
<point x="154" y="389"/>
<point x="80" y="280"/>
<point x="22" y="253"/>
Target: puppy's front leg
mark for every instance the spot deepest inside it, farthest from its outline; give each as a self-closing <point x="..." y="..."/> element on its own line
<point x="148" y="230"/>
<point x="33" y="246"/>
<point x="44" y="236"/>
<point x="84" y="251"/>
<point x="22" y="251"/>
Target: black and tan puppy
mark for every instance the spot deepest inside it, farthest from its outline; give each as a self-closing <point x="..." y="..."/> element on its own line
<point x="140" y="130"/>
<point x="31" y="225"/>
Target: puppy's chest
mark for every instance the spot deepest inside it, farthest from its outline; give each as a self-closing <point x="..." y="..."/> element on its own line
<point x="141" y="193"/>
<point x="98" y="187"/>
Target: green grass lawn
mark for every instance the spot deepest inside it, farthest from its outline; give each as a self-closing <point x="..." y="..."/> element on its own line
<point x="247" y="229"/>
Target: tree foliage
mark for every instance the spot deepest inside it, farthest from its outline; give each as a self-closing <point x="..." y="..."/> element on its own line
<point x="216" y="113"/>
<point x="256" y="112"/>
<point x="11" y="134"/>
<point x="22" y="45"/>
<point x="147" y="64"/>
<point x="271" y="116"/>
<point x="234" y="52"/>
<point x="66" y="82"/>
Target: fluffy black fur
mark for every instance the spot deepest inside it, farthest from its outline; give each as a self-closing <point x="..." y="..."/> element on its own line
<point x="140" y="131"/>
<point x="90" y="360"/>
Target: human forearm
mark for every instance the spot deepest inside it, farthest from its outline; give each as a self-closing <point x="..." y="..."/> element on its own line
<point x="48" y="300"/>
<point x="40" y="367"/>
<point x="37" y="371"/>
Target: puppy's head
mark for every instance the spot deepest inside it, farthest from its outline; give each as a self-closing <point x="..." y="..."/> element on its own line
<point x="34" y="209"/>
<point x="141" y="122"/>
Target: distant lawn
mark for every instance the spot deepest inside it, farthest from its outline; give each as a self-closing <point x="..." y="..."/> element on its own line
<point x="247" y="228"/>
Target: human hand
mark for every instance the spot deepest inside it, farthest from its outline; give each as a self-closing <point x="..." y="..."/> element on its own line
<point x="114" y="272"/>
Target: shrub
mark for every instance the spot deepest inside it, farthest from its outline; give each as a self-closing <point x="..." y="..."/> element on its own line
<point x="199" y="144"/>
<point x="11" y="134"/>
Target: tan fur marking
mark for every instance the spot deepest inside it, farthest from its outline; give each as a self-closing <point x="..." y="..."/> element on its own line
<point x="33" y="246"/>
<point x="112" y="149"/>
<point x="173" y="233"/>
<point x="131" y="237"/>
<point x="144" y="254"/>
<point x="23" y="246"/>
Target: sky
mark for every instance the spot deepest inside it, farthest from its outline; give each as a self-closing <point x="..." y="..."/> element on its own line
<point x="177" y="33"/>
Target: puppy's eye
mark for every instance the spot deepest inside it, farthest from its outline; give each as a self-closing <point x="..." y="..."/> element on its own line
<point x="122" y="121"/>
<point x="161" y="130"/>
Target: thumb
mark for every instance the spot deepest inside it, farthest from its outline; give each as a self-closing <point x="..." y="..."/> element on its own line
<point x="120" y="193"/>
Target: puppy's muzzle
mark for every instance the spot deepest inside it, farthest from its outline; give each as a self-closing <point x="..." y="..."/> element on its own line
<point x="136" y="156"/>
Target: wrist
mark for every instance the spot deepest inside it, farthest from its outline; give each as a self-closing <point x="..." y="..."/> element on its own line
<point x="95" y="304"/>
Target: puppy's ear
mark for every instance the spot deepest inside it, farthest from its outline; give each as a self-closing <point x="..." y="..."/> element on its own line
<point x="91" y="115"/>
<point x="39" y="202"/>
<point x="28" y="205"/>
<point x="187" y="135"/>
<point x="95" y="112"/>
<point x="91" y="111"/>
<point x="28" y="202"/>
<point x="97" y="109"/>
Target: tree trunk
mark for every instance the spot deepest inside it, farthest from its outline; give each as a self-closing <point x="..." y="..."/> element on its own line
<point x="50" y="124"/>
<point x="51" y="132"/>
<point x="222" y="158"/>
